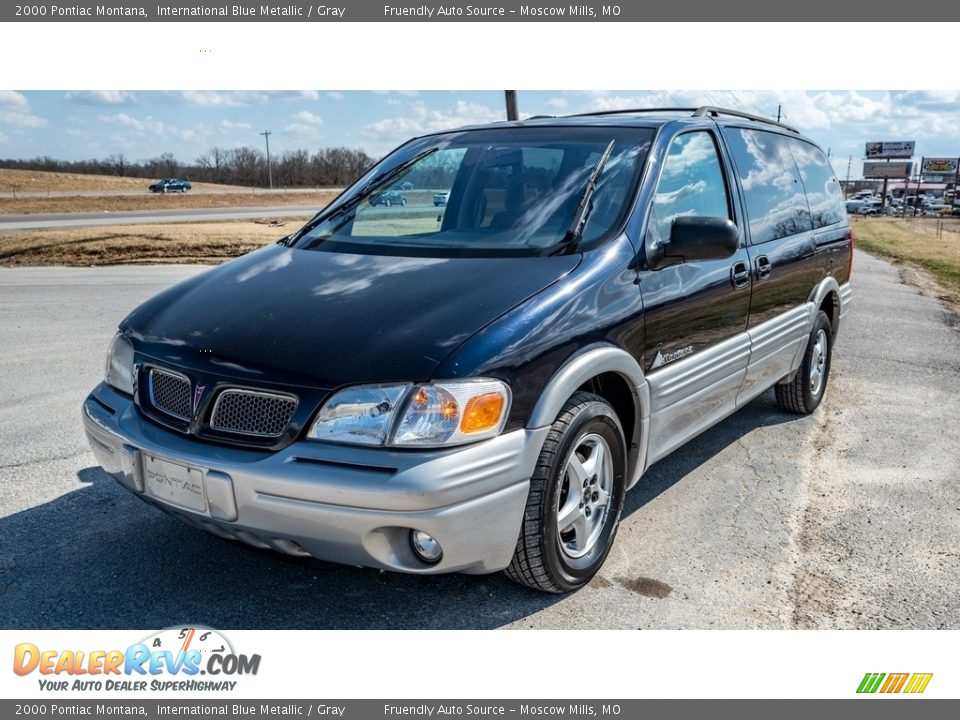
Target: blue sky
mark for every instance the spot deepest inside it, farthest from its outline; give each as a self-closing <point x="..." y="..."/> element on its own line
<point x="143" y="124"/>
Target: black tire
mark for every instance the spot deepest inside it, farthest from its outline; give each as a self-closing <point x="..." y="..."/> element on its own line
<point x="387" y="203"/>
<point x="403" y="202"/>
<point x="542" y="560"/>
<point x="802" y="394"/>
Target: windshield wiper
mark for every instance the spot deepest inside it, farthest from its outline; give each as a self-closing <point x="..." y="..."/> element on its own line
<point x="572" y="237"/>
<point x="373" y="184"/>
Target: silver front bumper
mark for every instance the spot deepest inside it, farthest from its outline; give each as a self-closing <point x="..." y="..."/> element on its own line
<point x="343" y="504"/>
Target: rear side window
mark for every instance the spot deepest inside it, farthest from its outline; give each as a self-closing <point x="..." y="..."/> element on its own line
<point x="776" y="202"/>
<point x="823" y="191"/>
<point x="691" y="184"/>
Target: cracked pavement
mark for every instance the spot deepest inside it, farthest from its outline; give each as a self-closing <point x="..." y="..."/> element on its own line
<point x="849" y="518"/>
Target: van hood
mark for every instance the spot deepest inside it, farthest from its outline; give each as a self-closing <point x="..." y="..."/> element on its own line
<point x="324" y="319"/>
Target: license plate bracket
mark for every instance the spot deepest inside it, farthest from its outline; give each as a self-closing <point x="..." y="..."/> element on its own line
<point x="174" y="483"/>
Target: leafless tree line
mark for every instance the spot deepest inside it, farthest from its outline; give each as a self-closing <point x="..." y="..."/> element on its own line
<point x="246" y="166"/>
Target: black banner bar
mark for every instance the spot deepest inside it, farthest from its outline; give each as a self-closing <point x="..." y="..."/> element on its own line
<point x="860" y="11"/>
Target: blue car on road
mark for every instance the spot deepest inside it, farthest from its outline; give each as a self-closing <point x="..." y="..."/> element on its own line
<point x="170" y="185"/>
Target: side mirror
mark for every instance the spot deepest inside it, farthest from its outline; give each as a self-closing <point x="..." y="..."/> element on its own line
<point x="696" y="238"/>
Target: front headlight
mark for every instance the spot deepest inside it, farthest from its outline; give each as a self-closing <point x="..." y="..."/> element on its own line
<point x="119" y="370"/>
<point x="429" y="415"/>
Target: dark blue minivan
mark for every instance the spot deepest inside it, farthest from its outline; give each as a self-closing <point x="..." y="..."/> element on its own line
<point x="473" y="386"/>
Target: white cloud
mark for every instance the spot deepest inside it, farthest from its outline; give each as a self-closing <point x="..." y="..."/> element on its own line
<point x="334" y="95"/>
<point x="216" y="98"/>
<point x="11" y="98"/>
<point x="557" y="103"/>
<point x="294" y="94"/>
<point x="240" y="98"/>
<point x="100" y="97"/>
<point x="231" y="125"/>
<point x="15" y="111"/>
<point x="3" y="138"/>
<point x="421" y="119"/>
<point x="305" y="116"/>
<point x="148" y="124"/>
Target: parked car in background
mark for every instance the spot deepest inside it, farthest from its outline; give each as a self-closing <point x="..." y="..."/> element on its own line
<point x="170" y="185"/>
<point x="478" y="391"/>
<point x="388" y="198"/>
<point x="441" y="198"/>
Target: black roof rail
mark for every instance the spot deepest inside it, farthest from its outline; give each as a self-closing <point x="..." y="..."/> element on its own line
<point x="712" y="111"/>
<point x="628" y="111"/>
<point x="702" y="111"/>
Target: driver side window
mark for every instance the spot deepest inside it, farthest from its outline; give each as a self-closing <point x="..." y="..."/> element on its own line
<point x="692" y="184"/>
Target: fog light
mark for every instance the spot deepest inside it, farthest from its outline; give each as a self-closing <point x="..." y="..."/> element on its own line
<point x="425" y="546"/>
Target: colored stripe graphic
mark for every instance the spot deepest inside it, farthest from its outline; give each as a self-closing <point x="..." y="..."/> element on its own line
<point x="870" y="682"/>
<point x="894" y="682"/>
<point x="918" y="683"/>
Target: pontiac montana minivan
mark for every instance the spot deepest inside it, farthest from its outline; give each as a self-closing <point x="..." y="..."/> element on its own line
<point x="472" y="386"/>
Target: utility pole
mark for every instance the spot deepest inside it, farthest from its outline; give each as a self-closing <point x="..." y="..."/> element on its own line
<point x="511" y="98"/>
<point x="266" y="134"/>
<point x="846" y="188"/>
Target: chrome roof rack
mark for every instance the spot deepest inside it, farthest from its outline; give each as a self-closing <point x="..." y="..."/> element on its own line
<point x="702" y="111"/>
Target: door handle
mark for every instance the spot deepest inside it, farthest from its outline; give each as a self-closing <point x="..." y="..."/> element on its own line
<point x="763" y="267"/>
<point x="740" y="274"/>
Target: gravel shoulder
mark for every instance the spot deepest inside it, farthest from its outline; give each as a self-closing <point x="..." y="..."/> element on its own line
<point x="849" y="518"/>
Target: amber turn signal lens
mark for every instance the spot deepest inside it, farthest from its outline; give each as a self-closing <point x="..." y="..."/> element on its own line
<point x="482" y="413"/>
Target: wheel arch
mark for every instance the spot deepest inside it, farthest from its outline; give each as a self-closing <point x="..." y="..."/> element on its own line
<point x="826" y="296"/>
<point x="605" y="370"/>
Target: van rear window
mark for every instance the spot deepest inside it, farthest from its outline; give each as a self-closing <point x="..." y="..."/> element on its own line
<point x="776" y="201"/>
<point x="823" y="190"/>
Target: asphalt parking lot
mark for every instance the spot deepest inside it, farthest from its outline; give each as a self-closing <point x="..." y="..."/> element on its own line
<point x="846" y="519"/>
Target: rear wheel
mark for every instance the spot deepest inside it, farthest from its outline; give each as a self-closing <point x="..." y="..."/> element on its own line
<point x="805" y="392"/>
<point x="576" y="496"/>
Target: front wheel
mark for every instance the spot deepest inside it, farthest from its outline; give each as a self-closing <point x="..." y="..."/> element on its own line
<point x="576" y="496"/>
<point x="804" y="393"/>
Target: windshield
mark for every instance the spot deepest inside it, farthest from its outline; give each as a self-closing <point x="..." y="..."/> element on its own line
<point x="498" y="191"/>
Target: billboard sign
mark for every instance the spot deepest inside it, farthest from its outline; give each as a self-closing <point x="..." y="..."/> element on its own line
<point x="939" y="167"/>
<point x="900" y="149"/>
<point x="887" y="169"/>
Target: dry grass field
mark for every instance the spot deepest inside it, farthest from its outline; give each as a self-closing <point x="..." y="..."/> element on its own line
<point x="926" y="243"/>
<point x="209" y="242"/>
<point x="31" y="181"/>
<point x="150" y="201"/>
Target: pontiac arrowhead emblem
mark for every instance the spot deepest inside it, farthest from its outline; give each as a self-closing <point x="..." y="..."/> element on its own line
<point x="197" y="394"/>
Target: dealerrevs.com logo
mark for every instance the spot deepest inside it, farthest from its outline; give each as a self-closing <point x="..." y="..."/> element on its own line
<point x="910" y="683"/>
<point x="178" y="659"/>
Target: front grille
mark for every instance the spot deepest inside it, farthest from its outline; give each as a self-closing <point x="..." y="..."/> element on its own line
<point x="170" y="393"/>
<point x="250" y="412"/>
